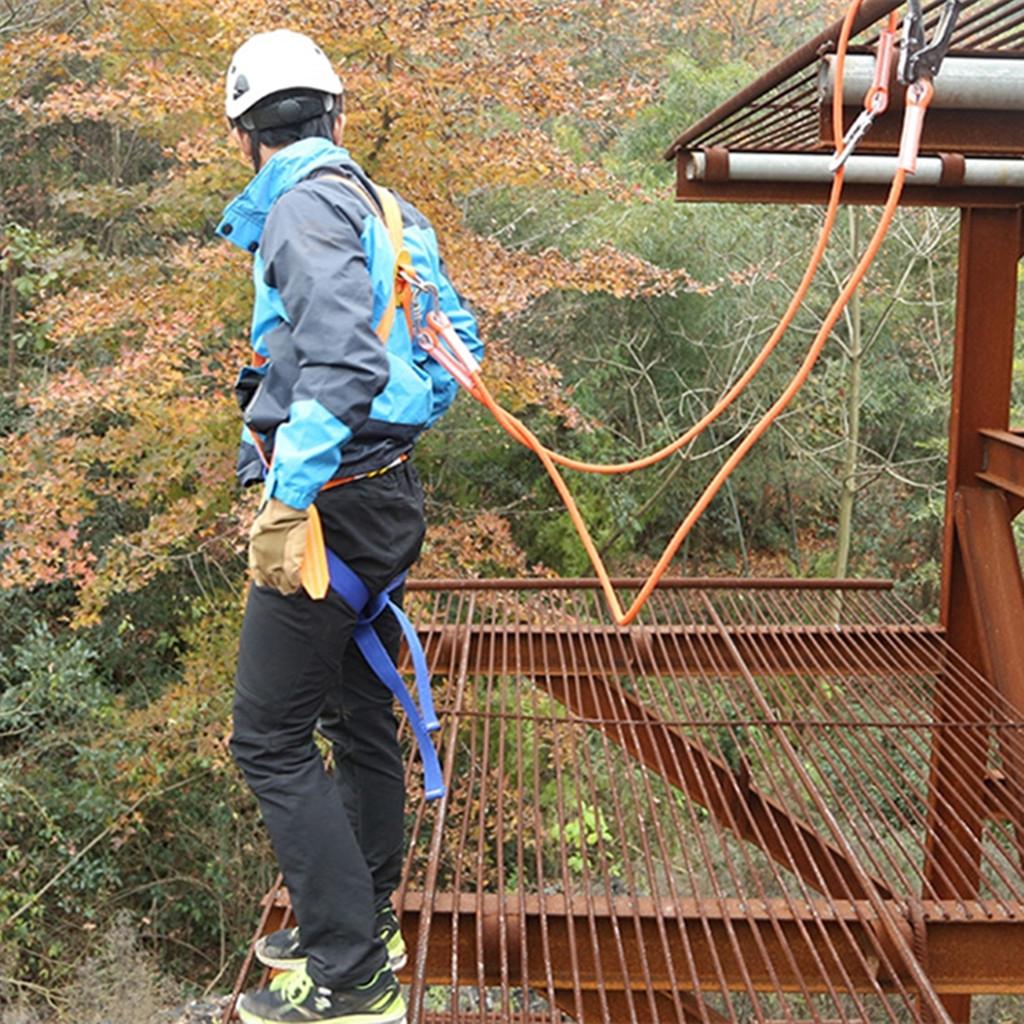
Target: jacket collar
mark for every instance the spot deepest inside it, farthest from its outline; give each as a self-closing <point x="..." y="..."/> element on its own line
<point x="244" y="217"/>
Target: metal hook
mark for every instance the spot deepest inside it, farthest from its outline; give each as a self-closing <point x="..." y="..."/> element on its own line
<point x="918" y="58"/>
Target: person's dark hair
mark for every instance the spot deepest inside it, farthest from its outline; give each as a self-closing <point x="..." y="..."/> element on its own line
<point x="287" y="116"/>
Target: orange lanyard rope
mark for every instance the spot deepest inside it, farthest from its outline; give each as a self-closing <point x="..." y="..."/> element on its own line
<point x="470" y="378"/>
<point x="435" y="334"/>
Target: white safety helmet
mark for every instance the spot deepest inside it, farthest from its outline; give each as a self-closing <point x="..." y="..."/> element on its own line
<point x="273" y="62"/>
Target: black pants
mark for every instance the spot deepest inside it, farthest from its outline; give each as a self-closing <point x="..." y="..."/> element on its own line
<point x="338" y="842"/>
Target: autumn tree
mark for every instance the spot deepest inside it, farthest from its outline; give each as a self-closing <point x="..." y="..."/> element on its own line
<point x="122" y="324"/>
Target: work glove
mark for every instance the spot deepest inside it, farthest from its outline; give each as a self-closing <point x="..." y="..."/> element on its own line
<point x="277" y="542"/>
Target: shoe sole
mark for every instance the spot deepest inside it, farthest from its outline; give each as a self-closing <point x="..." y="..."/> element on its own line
<point x="281" y="964"/>
<point x="353" y="1018"/>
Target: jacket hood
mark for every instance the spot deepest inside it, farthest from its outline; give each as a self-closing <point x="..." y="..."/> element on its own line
<point x="243" y="218"/>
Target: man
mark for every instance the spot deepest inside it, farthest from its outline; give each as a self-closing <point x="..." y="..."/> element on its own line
<point x="335" y="411"/>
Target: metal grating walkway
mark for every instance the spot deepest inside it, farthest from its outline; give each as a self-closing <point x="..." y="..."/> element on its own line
<point x="763" y="804"/>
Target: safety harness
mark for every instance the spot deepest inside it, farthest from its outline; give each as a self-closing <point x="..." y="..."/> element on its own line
<point x="323" y="569"/>
<point x="422" y="718"/>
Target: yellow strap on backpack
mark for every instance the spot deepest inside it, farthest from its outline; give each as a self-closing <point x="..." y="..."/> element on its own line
<point x="314" y="575"/>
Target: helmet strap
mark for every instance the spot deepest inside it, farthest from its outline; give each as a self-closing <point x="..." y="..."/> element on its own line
<point x="257" y="156"/>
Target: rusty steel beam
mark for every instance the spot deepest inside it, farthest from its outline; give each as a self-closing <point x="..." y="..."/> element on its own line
<point x="995" y="586"/>
<point x="981" y="132"/>
<point x="693" y="1009"/>
<point x="1002" y="464"/>
<point x="479" y="1017"/>
<point x="724" y="793"/>
<point x="1002" y="798"/>
<point x="567" y="583"/>
<point x="790" y="193"/>
<point x="990" y="249"/>
<point x="768" y="945"/>
<point x="644" y="1008"/>
<point x="555" y="650"/>
<point x="992" y="568"/>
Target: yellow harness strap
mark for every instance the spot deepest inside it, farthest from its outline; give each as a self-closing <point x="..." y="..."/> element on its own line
<point x="401" y="291"/>
<point x="314" y="575"/>
<point x="389" y="212"/>
<point x="315" y="578"/>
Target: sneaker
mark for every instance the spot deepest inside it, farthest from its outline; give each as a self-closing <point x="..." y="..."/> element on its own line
<point x="390" y="932"/>
<point x="283" y="949"/>
<point x="295" y="998"/>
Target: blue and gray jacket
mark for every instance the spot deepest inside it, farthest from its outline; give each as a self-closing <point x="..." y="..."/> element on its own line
<point x="331" y="400"/>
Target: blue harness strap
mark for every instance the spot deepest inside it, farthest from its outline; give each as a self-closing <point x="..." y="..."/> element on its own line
<point x="351" y="589"/>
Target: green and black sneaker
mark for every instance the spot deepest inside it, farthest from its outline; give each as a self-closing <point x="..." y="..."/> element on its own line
<point x="295" y="998"/>
<point x="390" y="931"/>
<point x="283" y="949"/>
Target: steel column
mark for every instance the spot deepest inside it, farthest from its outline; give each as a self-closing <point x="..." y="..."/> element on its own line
<point x="996" y="589"/>
<point x="990" y="248"/>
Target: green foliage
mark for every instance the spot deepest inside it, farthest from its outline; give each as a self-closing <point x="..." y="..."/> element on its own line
<point x="587" y="835"/>
<point x="536" y="146"/>
<point x="689" y="89"/>
<point x="43" y="683"/>
<point x="32" y="268"/>
<point x="112" y="804"/>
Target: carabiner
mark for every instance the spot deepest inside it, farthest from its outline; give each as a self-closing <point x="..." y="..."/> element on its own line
<point x="419" y="285"/>
<point x="876" y="101"/>
<point x="919" y="59"/>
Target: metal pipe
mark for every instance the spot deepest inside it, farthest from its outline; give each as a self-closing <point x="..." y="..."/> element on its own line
<point x="635" y="582"/>
<point x="860" y="170"/>
<point x="870" y="12"/>
<point x="970" y="83"/>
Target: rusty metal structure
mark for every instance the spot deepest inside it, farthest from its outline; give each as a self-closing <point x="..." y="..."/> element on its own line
<point x="769" y="800"/>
